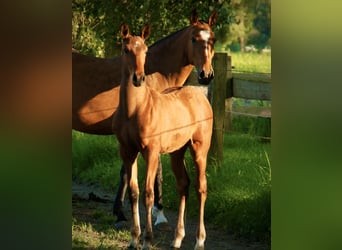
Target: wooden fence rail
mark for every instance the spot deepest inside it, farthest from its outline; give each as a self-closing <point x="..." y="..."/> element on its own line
<point x="221" y="91"/>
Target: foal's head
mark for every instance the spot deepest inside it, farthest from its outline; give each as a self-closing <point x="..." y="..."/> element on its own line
<point x="201" y="46"/>
<point x="134" y="53"/>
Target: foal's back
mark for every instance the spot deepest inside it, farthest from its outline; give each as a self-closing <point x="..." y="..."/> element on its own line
<point x="176" y="117"/>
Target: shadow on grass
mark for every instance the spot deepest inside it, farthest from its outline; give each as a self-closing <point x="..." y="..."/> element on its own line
<point x="93" y="227"/>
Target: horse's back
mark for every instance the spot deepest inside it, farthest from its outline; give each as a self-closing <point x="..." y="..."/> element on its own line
<point x="95" y="92"/>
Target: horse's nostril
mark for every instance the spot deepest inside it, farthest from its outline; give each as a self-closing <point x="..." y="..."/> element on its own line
<point x="202" y="74"/>
<point x="135" y="78"/>
<point x="143" y="78"/>
<point x="211" y="75"/>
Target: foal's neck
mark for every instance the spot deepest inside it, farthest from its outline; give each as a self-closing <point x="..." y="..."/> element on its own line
<point x="131" y="97"/>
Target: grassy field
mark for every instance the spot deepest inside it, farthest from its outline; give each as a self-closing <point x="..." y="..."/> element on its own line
<point x="251" y="62"/>
<point x="239" y="192"/>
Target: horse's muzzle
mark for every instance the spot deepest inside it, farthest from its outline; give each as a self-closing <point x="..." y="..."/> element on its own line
<point x="205" y="78"/>
<point x="138" y="80"/>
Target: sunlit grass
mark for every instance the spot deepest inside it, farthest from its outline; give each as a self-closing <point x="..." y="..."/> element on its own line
<point x="251" y="62"/>
<point x="87" y="236"/>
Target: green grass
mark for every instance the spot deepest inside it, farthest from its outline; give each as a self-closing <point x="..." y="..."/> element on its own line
<point x="239" y="191"/>
<point x="95" y="159"/>
<point x="250" y="62"/>
<point x="92" y="236"/>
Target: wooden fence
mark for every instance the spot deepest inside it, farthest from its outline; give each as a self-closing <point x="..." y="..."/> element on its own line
<point x="221" y="91"/>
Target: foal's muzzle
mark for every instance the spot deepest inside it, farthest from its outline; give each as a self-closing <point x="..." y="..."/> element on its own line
<point x="138" y="80"/>
<point x="204" y="78"/>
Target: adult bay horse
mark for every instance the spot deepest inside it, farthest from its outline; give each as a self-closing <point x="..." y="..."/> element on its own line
<point x="96" y="84"/>
<point x="152" y="123"/>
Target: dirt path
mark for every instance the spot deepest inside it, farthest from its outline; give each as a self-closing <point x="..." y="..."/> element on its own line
<point x="91" y="197"/>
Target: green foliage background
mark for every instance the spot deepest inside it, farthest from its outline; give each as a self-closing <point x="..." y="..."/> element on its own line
<point x="95" y="24"/>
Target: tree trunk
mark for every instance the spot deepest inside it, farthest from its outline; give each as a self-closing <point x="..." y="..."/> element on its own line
<point x="242" y="44"/>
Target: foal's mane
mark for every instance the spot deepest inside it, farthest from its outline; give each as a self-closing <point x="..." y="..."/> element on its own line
<point x="171" y="89"/>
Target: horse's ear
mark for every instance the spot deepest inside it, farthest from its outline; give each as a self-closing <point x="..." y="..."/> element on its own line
<point x="194" y="17"/>
<point x="213" y="18"/>
<point x="145" y="33"/>
<point x="124" y="31"/>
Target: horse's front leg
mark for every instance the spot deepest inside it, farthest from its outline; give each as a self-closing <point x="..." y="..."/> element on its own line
<point x="151" y="159"/>
<point x="131" y="167"/>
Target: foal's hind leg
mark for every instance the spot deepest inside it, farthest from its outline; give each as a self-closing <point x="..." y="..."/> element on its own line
<point x="183" y="182"/>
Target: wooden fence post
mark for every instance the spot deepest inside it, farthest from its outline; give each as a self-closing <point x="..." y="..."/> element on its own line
<point x="218" y="95"/>
<point x="228" y="125"/>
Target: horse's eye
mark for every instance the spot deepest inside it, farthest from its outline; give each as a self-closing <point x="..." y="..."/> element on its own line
<point x="193" y="40"/>
<point x="126" y="50"/>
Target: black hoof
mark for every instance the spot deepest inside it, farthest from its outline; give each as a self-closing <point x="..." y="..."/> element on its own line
<point x="120" y="215"/>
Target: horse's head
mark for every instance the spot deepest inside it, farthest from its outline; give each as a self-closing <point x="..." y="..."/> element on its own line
<point x="134" y="53"/>
<point x="201" y="46"/>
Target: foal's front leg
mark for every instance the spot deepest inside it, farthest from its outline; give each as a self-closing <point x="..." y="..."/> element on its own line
<point x="200" y="157"/>
<point x="131" y="167"/>
<point x="151" y="159"/>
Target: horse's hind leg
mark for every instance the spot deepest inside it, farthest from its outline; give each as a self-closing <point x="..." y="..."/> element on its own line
<point x="120" y="196"/>
<point x="199" y="154"/>
<point x="158" y="196"/>
<point x="183" y="183"/>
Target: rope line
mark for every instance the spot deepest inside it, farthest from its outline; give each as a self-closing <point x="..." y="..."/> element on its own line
<point x="182" y="127"/>
<point x="247" y="114"/>
<point x="96" y="111"/>
<point x="247" y="134"/>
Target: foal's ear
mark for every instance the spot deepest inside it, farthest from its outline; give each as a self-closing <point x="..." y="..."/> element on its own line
<point x="213" y="18"/>
<point x="146" y="31"/>
<point x="194" y="17"/>
<point x="124" y="31"/>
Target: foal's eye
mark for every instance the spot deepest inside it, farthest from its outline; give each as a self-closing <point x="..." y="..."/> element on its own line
<point x="193" y="40"/>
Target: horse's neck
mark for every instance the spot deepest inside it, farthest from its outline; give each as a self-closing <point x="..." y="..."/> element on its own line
<point x="100" y="73"/>
<point x="169" y="58"/>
